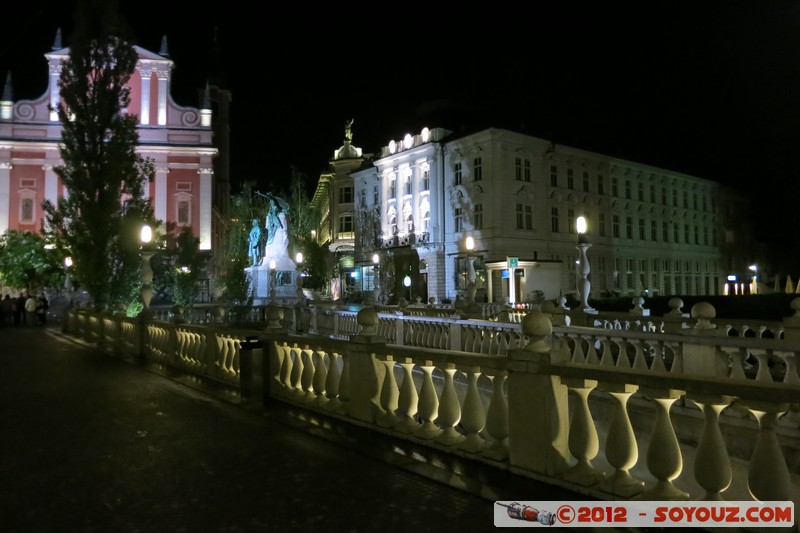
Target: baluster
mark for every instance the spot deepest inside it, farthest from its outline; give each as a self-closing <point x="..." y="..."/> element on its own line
<point x="449" y="409"/>
<point x="497" y="418"/>
<point x="763" y="365"/>
<point x="737" y="357"/>
<point x="591" y="353"/>
<point x="608" y="357"/>
<point x="428" y="404"/>
<point x="768" y="477"/>
<point x="296" y="387"/>
<point x="622" y="355"/>
<point x="389" y="396"/>
<point x="344" y="385"/>
<point x="286" y="371"/>
<point x="657" y="365"/>
<point x="712" y="466"/>
<point x="577" y="353"/>
<point x="473" y="418"/>
<point x="639" y="362"/>
<point x="320" y="378"/>
<point x="664" y="459"/>
<point x="307" y="376"/>
<point x="621" y="450"/>
<point x="677" y="357"/>
<point x="332" y="383"/>
<point x="790" y="360"/>
<point x="407" y="402"/>
<point x="583" y="441"/>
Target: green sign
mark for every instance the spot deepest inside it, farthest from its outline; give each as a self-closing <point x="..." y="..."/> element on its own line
<point x="513" y="262"/>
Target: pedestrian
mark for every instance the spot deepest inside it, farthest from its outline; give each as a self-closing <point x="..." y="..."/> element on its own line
<point x="41" y="310"/>
<point x="30" y="310"/>
<point x="7" y="310"/>
<point x="19" y="309"/>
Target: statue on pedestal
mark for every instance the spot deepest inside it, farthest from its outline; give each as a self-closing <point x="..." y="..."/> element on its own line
<point x="254" y="244"/>
<point x="273" y="274"/>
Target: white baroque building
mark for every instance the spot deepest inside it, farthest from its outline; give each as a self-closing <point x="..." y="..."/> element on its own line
<point x="651" y="230"/>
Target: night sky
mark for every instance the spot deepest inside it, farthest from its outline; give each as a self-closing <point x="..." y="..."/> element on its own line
<point x="708" y="88"/>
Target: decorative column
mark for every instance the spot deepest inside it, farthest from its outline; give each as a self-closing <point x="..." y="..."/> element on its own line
<point x="206" y="194"/>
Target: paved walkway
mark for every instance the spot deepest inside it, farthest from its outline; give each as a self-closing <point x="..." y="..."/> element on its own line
<point x="95" y="443"/>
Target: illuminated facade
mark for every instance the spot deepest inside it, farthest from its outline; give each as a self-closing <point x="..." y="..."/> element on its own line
<point x="178" y="139"/>
<point x="334" y="200"/>
<point x="652" y="230"/>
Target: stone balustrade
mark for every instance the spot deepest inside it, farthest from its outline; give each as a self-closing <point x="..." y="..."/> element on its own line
<point x="569" y="404"/>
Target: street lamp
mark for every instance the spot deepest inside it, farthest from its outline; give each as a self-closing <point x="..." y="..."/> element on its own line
<point x="146" y="237"/>
<point x="298" y="259"/>
<point x="376" y="277"/>
<point x="469" y="244"/>
<point x="68" y="291"/>
<point x="754" y="284"/>
<point x="146" y="251"/>
<point x="407" y="285"/>
<point x="68" y="279"/>
<point x="584" y="285"/>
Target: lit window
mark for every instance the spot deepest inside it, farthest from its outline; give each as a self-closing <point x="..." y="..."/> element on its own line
<point x="346" y="224"/>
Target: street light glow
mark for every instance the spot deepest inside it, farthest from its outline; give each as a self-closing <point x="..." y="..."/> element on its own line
<point x="146" y="235"/>
<point x="470" y="243"/>
<point x="299" y="257"/>
<point x="376" y="258"/>
<point x="580" y="225"/>
<point x="67" y="262"/>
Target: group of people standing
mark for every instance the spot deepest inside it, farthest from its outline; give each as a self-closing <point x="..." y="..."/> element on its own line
<point x="24" y="310"/>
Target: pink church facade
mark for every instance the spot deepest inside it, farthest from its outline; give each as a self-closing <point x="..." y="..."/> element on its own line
<point x="178" y="139"/>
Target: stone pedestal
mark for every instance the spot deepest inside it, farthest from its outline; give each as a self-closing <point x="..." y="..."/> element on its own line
<point x="285" y="281"/>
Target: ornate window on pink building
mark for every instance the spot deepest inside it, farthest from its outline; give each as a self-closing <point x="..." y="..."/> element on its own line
<point x="183" y="209"/>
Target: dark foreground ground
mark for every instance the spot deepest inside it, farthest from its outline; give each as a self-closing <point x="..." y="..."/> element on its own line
<point x="95" y="443"/>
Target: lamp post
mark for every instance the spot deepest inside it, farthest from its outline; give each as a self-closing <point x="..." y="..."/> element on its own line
<point x="68" y="280"/>
<point x="68" y="292"/>
<point x="272" y="276"/>
<point x="469" y="244"/>
<point x="146" y="237"/>
<point x="407" y="285"/>
<point x="754" y="283"/>
<point x="298" y="259"/>
<point x="376" y="277"/>
<point x="146" y="252"/>
<point x="584" y="285"/>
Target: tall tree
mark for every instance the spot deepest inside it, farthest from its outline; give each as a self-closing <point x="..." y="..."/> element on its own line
<point x="101" y="166"/>
<point x="27" y="263"/>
